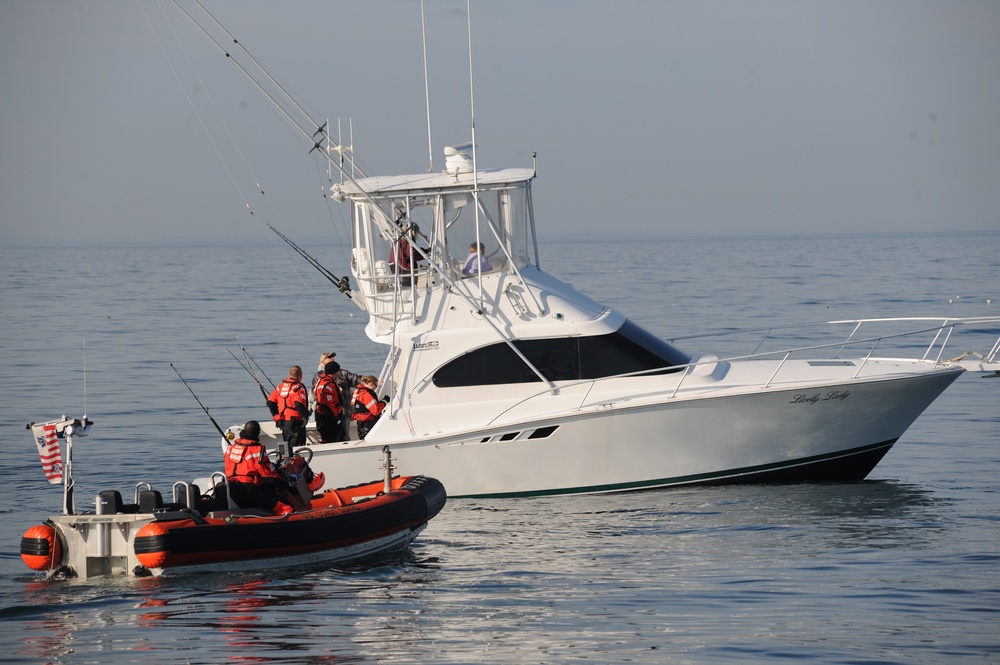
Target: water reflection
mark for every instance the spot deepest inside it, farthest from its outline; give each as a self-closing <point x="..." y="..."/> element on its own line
<point x="872" y="514"/>
<point x="46" y="640"/>
<point x="301" y="615"/>
<point x="877" y="514"/>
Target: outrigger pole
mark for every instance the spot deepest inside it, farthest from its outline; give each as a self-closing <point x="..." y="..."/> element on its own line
<point x="222" y="433"/>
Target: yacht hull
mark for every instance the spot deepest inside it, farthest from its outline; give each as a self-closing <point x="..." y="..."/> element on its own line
<point x="834" y="432"/>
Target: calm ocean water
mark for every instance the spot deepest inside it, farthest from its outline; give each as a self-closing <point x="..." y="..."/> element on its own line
<point x="901" y="568"/>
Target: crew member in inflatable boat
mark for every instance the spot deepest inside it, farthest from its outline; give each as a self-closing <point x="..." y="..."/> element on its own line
<point x="329" y="412"/>
<point x="253" y="479"/>
<point x="289" y="405"/>
<point x="366" y="406"/>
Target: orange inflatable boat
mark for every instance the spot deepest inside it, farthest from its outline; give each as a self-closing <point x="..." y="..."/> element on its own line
<point x="206" y="533"/>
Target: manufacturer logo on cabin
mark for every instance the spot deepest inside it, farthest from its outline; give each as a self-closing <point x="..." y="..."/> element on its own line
<point x="423" y="346"/>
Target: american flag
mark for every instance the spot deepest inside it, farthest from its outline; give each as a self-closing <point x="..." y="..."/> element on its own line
<point x="48" y="450"/>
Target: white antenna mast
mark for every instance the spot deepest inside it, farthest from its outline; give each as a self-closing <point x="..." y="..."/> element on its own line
<point x="472" y="103"/>
<point x="84" y="379"/>
<point x="427" y="93"/>
<point x="475" y="167"/>
<point x="329" y="158"/>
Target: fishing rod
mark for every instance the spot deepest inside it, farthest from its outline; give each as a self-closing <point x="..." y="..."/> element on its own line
<point x="249" y="371"/>
<point x="261" y="78"/>
<point x="203" y="408"/>
<point x="252" y="363"/>
<point x="343" y="284"/>
<point x="300" y="120"/>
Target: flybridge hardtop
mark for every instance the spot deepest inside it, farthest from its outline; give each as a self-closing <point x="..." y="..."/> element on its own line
<point x="429" y="183"/>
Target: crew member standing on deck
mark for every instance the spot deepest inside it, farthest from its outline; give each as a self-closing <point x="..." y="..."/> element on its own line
<point x="329" y="412"/>
<point x="289" y="404"/>
<point x="346" y="380"/>
<point x="253" y="480"/>
<point x="324" y="358"/>
<point x="366" y="406"/>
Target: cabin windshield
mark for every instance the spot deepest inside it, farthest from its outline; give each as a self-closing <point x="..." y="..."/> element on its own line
<point x="500" y="227"/>
<point x="628" y="350"/>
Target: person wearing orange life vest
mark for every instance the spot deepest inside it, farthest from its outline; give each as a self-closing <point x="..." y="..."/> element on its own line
<point x="329" y="412"/>
<point x="344" y="380"/>
<point x="253" y="480"/>
<point x="367" y="407"/>
<point x="289" y="405"/>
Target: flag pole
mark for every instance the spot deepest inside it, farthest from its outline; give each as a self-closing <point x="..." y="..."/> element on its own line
<point x="59" y="471"/>
<point x="69" y="503"/>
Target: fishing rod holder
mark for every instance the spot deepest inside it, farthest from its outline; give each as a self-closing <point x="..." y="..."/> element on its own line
<point x="388" y="468"/>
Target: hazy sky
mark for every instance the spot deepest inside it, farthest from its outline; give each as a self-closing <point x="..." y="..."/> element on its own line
<point x="659" y="117"/>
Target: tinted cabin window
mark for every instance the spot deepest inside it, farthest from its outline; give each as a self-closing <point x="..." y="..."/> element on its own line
<point x="630" y="349"/>
<point x="490" y="365"/>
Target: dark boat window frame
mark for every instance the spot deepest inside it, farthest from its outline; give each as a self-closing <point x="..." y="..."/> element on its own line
<point x="628" y="350"/>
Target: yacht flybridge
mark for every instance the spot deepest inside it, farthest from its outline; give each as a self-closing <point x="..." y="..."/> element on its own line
<point x="508" y="382"/>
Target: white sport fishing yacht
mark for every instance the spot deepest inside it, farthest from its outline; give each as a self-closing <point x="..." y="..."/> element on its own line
<point x="510" y="382"/>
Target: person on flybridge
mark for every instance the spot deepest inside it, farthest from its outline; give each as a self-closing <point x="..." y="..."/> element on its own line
<point x="404" y="258"/>
<point x="476" y="262"/>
